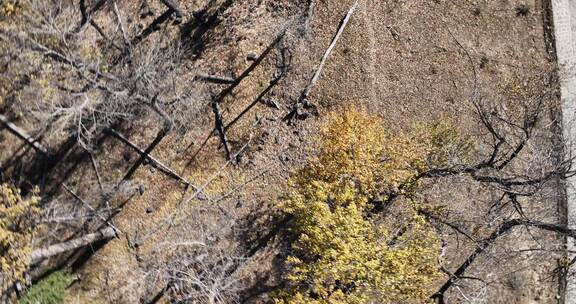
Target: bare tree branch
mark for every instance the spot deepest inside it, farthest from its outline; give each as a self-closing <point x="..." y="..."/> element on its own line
<point x="24" y="136"/>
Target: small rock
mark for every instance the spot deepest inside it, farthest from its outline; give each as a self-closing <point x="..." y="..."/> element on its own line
<point x="271" y="103"/>
<point x="126" y="155"/>
<point x="252" y="56"/>
<point x="149" y="210"/>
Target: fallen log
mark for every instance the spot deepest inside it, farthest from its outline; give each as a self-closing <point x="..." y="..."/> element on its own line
<point x="52" y="250"/>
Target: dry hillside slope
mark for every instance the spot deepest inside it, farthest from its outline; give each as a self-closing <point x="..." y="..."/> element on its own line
<point x="221" y="238"/>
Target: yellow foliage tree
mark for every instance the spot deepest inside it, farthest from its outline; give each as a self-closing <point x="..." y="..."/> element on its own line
<point x="342" y="254"/>
<point x="16" y="229"/>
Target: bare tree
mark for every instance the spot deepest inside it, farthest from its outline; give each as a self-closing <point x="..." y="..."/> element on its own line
<point x="516" y="220"/>
<point x="103" y="81"/>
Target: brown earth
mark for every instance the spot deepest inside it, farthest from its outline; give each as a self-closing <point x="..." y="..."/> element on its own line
<point x="404" y="60"/>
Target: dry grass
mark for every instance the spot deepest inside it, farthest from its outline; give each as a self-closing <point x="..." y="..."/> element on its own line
<point x="399" y="59"/>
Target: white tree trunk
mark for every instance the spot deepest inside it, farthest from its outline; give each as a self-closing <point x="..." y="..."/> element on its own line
<point x="52" y="250"/>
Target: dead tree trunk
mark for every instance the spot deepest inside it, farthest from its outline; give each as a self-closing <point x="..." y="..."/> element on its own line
<point x="50" y="251"/>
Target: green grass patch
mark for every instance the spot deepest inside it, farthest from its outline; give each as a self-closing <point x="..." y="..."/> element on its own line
<point x="50" y="290"/>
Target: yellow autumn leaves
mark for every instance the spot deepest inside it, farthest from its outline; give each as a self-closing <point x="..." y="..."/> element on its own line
<point x="16" y="230"/>
<point x="343" y="254"/>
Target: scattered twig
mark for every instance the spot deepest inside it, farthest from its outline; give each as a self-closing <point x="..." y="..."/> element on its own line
<point x="121" y="24"/>
<point x="270" y="103"/>
<point x="214" y="78"/>
<point x="251" y="68"/>
<point x="195" y="195"/>
<point x="343" y="24"/>
<point x="78" y="198"/>
<point x="308" y="15"/>
<point x="306" y="92"/>
<point x="235" y="189"/>
<point x="257" y="100"/>
<point x="153" y="161"/>
<point x="94" y="165"/>
<point x="215" y="175"/>
<point x="220" y="128"/>
<point x="166" y="127"/>
<point x="103" y="35"/>
<point x="232" y="86"/>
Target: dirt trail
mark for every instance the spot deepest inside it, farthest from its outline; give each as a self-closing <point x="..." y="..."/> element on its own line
<point x="372" y="47"/>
